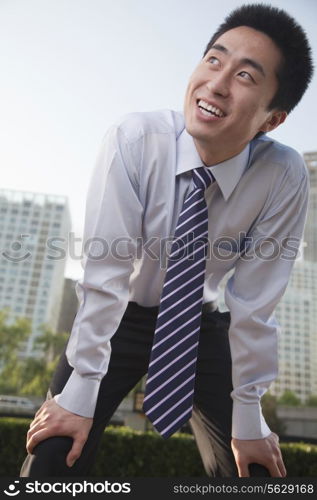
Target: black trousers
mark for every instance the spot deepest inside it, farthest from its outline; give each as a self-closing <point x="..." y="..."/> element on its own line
<point x="131" y="346"/>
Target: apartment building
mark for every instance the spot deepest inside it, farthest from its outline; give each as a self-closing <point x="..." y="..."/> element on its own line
<point x="34" y="230"/>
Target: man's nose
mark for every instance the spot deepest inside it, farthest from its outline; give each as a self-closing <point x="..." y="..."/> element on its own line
<point x="219" y="84"/>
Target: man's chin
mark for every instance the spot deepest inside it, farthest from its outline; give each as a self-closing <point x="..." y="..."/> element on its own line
<point x="193" y="129"/>
<point x="198" y="134"/>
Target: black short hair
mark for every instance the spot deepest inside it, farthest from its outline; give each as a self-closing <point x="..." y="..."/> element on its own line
<point x="296" y="69"/>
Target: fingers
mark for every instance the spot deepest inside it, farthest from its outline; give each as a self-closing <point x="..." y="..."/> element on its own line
<point x="282" y="469"/>
<point x="35" y="428"/>
<point x="40" y="432"/>
<point x="38" y="415"/>
<point x="35" y="438"/>
<point x="281" y="466"/>
<point x="34" y="423"/>
<point x="278" y="468"/>
<point x="265" y="452"/>
<point x="243" y="469"/>
<point x="76" y="450"/>
<point x="54" y="420"/>
<point x="273" y="469"/>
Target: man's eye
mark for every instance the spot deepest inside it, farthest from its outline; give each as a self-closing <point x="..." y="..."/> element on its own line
<point x="246" y="75"/>
<point x="214" y="60"/>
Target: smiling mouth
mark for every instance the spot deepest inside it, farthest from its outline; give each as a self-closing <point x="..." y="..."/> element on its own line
<point x="209" y="110"/>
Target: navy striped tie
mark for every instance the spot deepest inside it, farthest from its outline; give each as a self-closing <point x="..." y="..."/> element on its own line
<point x="170" y="383"/>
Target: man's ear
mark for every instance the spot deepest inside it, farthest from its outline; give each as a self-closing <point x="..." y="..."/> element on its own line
<point x="275" y="119"/>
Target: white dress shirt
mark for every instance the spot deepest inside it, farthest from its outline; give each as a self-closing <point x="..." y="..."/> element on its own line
<point x="141" y="178"/>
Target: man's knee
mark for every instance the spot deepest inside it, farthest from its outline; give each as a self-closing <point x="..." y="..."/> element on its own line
<point x="48" y="458"/>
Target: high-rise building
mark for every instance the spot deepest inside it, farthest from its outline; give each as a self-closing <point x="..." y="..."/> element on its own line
<point x="69" y="306"/>
<point x="310" y="236"/>
<point x="34" y="232"/>
<point x="297" y="315"/>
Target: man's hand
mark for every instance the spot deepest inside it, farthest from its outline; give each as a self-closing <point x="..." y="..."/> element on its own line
<point x="53" y="420"/>
<point x="265" y="452"/>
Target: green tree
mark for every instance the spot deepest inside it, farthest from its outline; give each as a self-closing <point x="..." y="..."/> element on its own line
<point x="312" y="400"/>
<point x="51" y="343"/>
<point x="37" y="372"/>
<point x="30" y="375"/>
<point x="11" y="337"/>
<point x="269" y="407"/>
<point x="289" y="398"/>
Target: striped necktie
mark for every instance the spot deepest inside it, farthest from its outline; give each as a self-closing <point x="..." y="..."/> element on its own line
<point x="169" y="391"/>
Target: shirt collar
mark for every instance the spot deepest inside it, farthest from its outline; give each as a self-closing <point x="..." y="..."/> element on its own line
<point x="226" y="173"/>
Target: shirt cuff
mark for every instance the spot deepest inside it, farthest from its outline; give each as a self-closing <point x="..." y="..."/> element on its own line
<point x="79" y="395"/>
<point x="248" y="421"/>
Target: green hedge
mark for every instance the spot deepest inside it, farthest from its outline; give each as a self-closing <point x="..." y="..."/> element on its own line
<point x="125" y="452"/>
<point x="128" y="453"/>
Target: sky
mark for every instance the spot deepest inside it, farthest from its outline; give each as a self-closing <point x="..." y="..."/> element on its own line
<point x="70" y="68"/>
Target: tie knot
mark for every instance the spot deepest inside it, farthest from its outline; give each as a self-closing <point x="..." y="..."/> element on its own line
<point x="202" y="177"/>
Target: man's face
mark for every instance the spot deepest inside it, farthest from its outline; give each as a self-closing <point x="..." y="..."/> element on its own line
<point x="229" y="92"/>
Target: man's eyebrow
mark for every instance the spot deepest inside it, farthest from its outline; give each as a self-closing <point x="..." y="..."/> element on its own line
<point x="245" y="60"/>
<point x="220" y="47"/>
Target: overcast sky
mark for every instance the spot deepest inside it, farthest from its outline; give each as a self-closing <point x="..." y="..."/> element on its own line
<point x="69" y="68"/>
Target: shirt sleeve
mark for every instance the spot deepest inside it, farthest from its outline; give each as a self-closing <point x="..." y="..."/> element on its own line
<point x="112" y="226"/>
<point x="252" y="293"/>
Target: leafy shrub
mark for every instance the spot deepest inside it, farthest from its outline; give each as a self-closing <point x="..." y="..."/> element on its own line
<point x="125" y="452"/>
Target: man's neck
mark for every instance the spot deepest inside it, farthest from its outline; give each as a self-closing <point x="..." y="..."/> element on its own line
<point x="212" y="157"/>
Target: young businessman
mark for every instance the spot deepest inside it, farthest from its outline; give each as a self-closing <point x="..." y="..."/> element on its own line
<point x="154" y="169"/>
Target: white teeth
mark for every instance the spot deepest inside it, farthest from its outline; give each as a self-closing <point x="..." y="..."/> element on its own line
<point x="210" y="108"/>
<point x="204" y="112"/>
